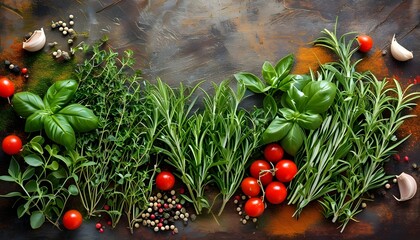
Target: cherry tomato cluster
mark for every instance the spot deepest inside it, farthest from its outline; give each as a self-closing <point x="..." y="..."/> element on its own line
<point x="262" y="179"/>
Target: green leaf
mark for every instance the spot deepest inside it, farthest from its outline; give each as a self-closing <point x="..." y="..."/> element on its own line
<point x="252" y="82"/>
<point x="59" y="173"/>
<point x="284" y="66"/>
<point x="37" y="219"/>
<point x="277" y="130"/>
<point x="309" y="121"/>
<point x="285" y="83"/>
<point x="300" y="81"/>
<point x="59" y="130"/>
<point x="288" y="114"/>
<point x="38" y="139"/>
<point x="293" y="140"/>
<point x="26" y="103"/>
<point x="65" y="160"/>
<point x="73" y="190"/>
<point x="270" y="105"/>
<point x="295" y="99"/>
<point x="21" y="210"/>
<point x="80" y="117"/>
<point x="35" y="122"/>
<point x="31" y="186"/>
<point x="33" y="160"/>
<point x="59" y="94"/>
<point x="12" y="194"/>
<point x="320" y="94"/>
<point x="37" y="147"/>
<point x="269" y="73"/>
<point x="53" y="166"/>
<point x="28" y="173"/>
<point x="7" y="178"/>
<point x="14" y="169"/>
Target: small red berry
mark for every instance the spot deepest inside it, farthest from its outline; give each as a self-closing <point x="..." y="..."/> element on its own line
<point x="106" y="207"/>
<point x="406" y="158"/>
<point x="109" y="223"/>
<point x="24" y="71"/>
<point x="98" y="225"/>
<point x="101" y="230"/>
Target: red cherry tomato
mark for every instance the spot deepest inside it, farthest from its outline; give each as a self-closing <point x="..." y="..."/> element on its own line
<point x="286" y="170"/>
<point x="72" y="219"/>
<point x="165" y="181"/>
<point x="273" y="152"/>
<point x="11" y="144"/>
<point x="7" y="88"/>
<point x="254" y="207"/>
<point x="261" y="165"/>
<point x="365" y="43"/>
<point x="250" y="187"/>
<point x="275" y="192"/>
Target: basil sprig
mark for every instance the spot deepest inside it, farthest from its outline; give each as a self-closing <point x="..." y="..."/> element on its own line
<point x="301" y="109"/>
<point x="52" y="114"/>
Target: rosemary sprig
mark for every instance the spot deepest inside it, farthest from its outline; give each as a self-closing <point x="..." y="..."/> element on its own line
<point x="366" y="115"/>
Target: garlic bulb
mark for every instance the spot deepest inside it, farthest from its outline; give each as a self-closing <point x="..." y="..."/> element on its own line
<point x="399" y="52"/>
<point x="407" y="185"/>
<point x="36" y="41"/>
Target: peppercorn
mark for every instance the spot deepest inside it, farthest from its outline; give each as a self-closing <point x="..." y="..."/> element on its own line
<point x="71" y="16"/>
<point x="11" y="66"/>
<point x="16" y="70"/>
<point x="7" y="63"/>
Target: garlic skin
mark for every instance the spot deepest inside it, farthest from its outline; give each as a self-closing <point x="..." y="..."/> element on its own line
<point x="407" y="185"/>
<point x="399" y="52"/>
<point x="36" y="42"/>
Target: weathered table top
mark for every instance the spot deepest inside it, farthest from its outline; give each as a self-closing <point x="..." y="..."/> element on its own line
<point x="191" y="41"/>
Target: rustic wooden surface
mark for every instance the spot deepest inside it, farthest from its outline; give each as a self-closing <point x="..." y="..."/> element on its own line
<point x="191" y="41"/>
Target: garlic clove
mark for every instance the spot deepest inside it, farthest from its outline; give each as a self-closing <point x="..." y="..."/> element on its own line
<point x="36" y="42"/>
<point x="407" y="186"/>
<point x="399" y="52"/>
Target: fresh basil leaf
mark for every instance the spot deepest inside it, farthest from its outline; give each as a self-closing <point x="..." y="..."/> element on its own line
<point x="252" y="82"/>
<point x="270" y="105"/>
<point x="300" y="81"/>
<point x="59" y="94"/>
<point x="35" y="122"/>
<point x="37" y="219"/>
<point x="288" y="114"/>
<point x="293" y="140"/>
<point x="277" y="130"/>
<point x="285" y="83"/>
<point x="310" y="121"/>
<point x="284" y="66"/>
<point x="26" y="103"/>
<point x="320" y="94"/>
<point x="80" y="117"/>
<point x="59" y="130"/>
<point x="295" y="99"/>
<point x="269" y="73"/>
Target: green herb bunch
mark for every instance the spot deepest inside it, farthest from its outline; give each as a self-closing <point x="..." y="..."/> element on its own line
<point x="344" y="159"/>
<point x="121" y="147"/>
<point x="46" y="179"/>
